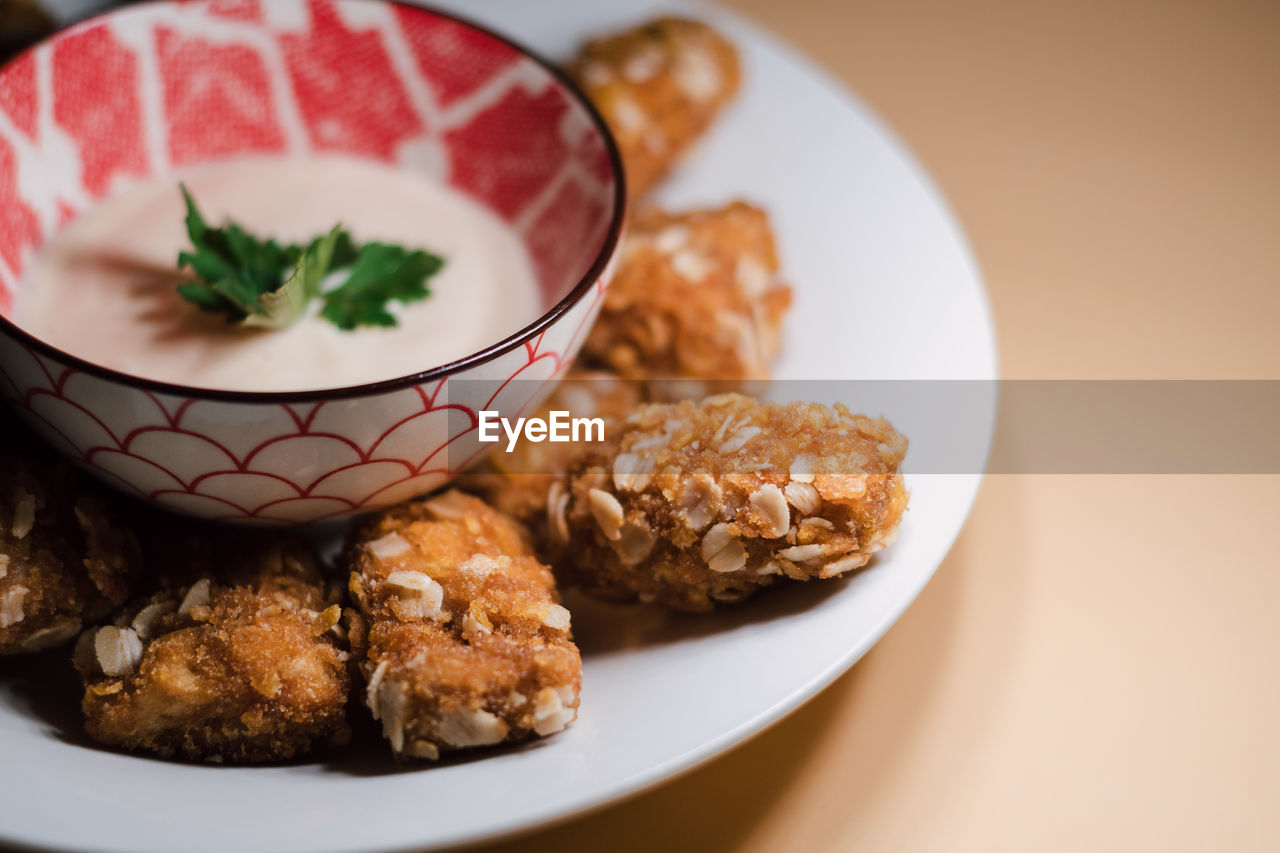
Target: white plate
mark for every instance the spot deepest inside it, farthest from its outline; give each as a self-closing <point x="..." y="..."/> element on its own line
<point x="885" y="288"/>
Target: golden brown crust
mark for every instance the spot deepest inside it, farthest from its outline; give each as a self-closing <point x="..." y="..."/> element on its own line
<point x="65" y="560"/>
<point x="243" y="665"/>
<point x="516" y="483"/>
<point x="695" y="298"/>
<point x="699" y="503"/>
<point x="659" y="86"/>
<point x="467" y="644"/>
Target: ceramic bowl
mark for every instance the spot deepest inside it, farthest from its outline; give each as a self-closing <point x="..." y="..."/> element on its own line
<point x="160" y="88"/>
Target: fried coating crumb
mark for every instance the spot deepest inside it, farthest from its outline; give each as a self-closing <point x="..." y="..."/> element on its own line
<point x="516" y="483"/>
<point x="467" y="643"/>
<point x="696" y="504"/>
<point x="244" y="665"/>
<point x="658" y="86"/>
<point x="65" y="559"/>
<point x="696" y="299"/>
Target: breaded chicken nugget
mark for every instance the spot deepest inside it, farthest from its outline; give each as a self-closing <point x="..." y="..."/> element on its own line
<point x="515" y="483"/>
<point x="244" y="665"/>
<point x="658" y="86"/>
<point x="699" y="503"/>
<point x="467" y="645"/>
<point x="695" y="298"/>
<point x="64" y="558"/>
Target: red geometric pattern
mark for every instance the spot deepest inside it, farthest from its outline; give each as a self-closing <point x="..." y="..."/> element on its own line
<point x="163" y="86"/>
<point x="18" y="97"/>
<point x="203" y="79"/>
<point x="18" y="225"/>
<point x="239" y="10"/>
<point x="97" y="101"/>
<point x="456" y="59"/>
<point x="508" y="184"/>
<point x="571" y="207"/>
<point x="326" y="65"/>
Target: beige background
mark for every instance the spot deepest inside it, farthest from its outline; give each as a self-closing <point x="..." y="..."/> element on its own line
<point x="1095" y="664"/>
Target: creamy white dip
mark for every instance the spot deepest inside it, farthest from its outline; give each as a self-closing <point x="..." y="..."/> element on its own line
<point x="103" y="288"/>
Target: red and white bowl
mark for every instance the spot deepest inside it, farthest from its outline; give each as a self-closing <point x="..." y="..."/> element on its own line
<point x="160" y="88"/>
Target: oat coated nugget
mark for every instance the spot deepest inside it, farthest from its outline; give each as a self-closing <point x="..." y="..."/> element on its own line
<point x="467" y="645"/>
<point x="244" y="665"/>
<point x="699" y="503"/>
<point x="516" y="483"/>
<point x="695" y="298"/>
<point x="64" y="558"/>
<point x="658" y="87"/>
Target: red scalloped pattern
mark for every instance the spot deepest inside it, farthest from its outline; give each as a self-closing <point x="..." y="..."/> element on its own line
<point x="240" y="462"/>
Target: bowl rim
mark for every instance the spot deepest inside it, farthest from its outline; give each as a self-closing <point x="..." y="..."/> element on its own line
<point x="604" y="256"/>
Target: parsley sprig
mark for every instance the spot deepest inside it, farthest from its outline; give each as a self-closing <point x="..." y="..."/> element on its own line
<point x="260" y="283"/>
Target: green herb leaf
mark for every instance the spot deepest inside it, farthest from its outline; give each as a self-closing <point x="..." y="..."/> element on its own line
<point x="233" y="269"/>
<point x="382" y="274"/>
<point x="261" y="284"/>
<point x="283" y="306"/>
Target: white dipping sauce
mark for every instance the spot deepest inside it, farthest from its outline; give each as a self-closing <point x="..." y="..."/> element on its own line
<point x="103" y="288"/>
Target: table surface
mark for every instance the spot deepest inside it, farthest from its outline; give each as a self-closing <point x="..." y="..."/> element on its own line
<point x="1093" y="666"/>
